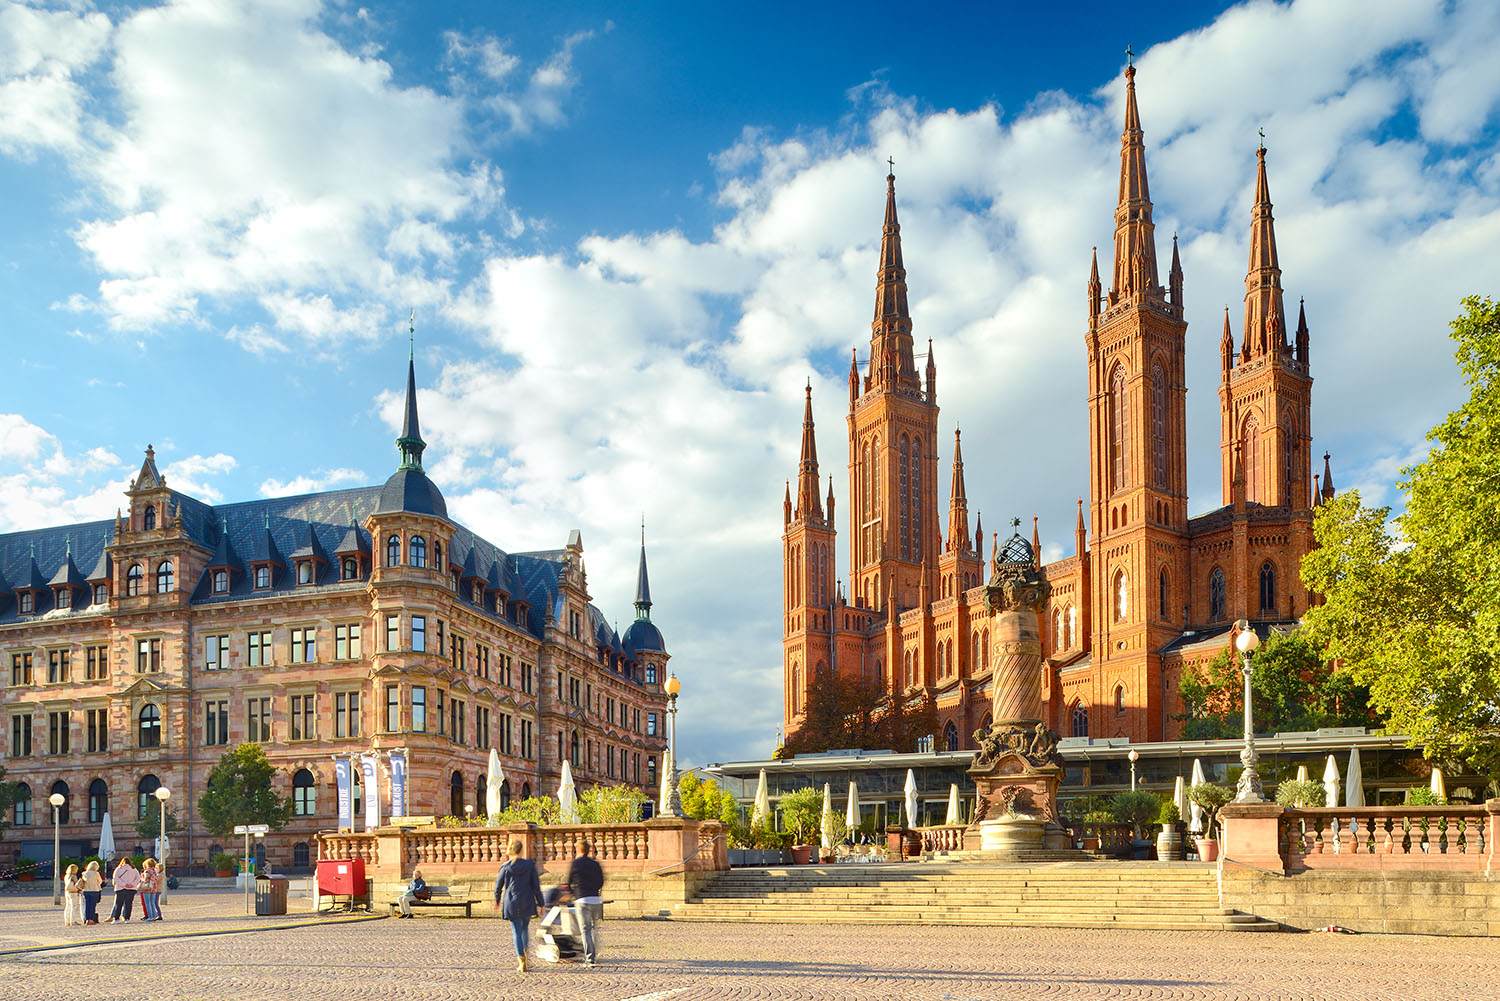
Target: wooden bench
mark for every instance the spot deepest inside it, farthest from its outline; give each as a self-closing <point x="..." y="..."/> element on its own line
<point x="442" y="896"/>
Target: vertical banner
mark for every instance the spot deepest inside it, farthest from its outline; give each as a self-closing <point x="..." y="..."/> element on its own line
<point x="343" y="771"/>
<point x="370" y="768"/>
<point x="398" y="783"/>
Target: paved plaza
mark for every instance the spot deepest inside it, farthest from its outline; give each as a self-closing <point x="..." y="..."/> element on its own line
<point x="445" y="959"/>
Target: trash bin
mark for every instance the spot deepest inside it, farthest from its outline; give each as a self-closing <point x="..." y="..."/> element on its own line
<point x="270" y="894"/>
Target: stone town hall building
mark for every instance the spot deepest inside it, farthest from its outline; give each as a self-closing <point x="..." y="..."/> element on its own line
<point x="1157" y="589"/>
<point x="326" y="624"/>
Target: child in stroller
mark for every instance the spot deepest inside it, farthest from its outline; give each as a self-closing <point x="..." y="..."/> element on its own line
<point x="558" y="935"/>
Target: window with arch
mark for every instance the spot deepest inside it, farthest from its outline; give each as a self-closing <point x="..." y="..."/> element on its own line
<point x="1120" y="592"/>
<point x="1267" y="587"/>
<point x="98" y="801"/>
<point x="526" y="789"/>
<point x="1059" y="637"/>
<point x="437" y="554"/>
<point x="1164" y="596"/>
<point x="149" y="729"/>
<point x="796" y="688"/>
<point x="393" y="551"/>
<point x="164" y="577"/>
<point x="974" y="653"/>
<point x="916" y="498"/>
<point x="262" y="577"/>
<point x="349" y="569"/>
<point x="1119" y="430"/>
<point x="950" y="736"/>
<point x="301" y="855"/>
<point x="1216" y="594"/>
<point x="984" y="649"/>
<point x="456" y="795"/>
<point x="134" y="577"/>
<point x="416" y="551"/>
<point x="505" y="795"/>
<point x="1159" y="426"/>
<point x="60" y="788"/>
<point x="1250" y="458"/>
<point x="942" y="661"/>
<point x="22" y="811"/>
<point x="1119" y="700"/>
<point x="304" y="793"/>
<point x="573" y="748"/>
<point x="221" y="581"/>
<point x="1072" y="627"/>
<point x="904" y="486"/>
<point x="148" y="519"/>
<point x="1080" y="719"/>
<point x="145" y="795"/>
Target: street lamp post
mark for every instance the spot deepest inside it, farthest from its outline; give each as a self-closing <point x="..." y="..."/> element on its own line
<point x="1134" y="756"/>
<point x="162" y="795"/>
<point x="674" y="797"/>
<point x="57" y="800"/>
<point x="1249" y="788"/>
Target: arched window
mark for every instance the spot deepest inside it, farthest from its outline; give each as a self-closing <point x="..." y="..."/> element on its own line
<point x="301" y="856"/>
<point x="350" y="569"/>
<point x="904" y="488"/>
<point x="525" y="790"/>
<point x="1250" y="457"/>
<point x="456" y="795"/>
<point x="573" y="748"/>
<point x="145" y="795"/>
<point x="1165" y="594"/>
<point x="1072" y="627"/>
<point x="98" y="801"/>
<point x="1159" y="426"/>
<point x="149" y="519"/>
<point x="796" y="689"/>
<point x="393" y="551"/>
<point x="150" y="726"/>
<point x="1080" y="719"/>
<point x="60" y="788"/>
<point x="437" y="554"/>
<point x="164" y="577"/>
<point x="304" y="793"/>
<point x="505" y="795"/>
<point x="23" y="805"/>
<point x="867" y="478"/>
<point x="221" y="581"/>
<point x="950" y="736"/>
<point x="1059" y="637"/>
<point x="1119" y="430"/>
<point x="984" y="646"/>
<point x="974" y="654"/>
<point x="942" y="661"/>
<point x="916" y="498"/>
<point x="1119" y="700"/>
<point x="1216" y="594"/>
<point x="1267" y="587"/>
<point x="133" y="579"/>
<point x="262" y="577"/>
<point x="416" y="551"/>
<point x="1121" y="595"/>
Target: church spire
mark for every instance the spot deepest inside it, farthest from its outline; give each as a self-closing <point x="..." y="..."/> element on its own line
<point x="1135" y="242"/>
<point x="1302" y="331"/>
<point x="410" y="443"/>
<point x="1265" y="316"/>
<point x="1095" y="289"/>
<point x="1174" y="276"/>
<point x="1226" y="348"/>
<point x="891" y="362"/>
<point x="958" y="501"/>
<point x="642" y="584"/>
<point x="808" y="504"/>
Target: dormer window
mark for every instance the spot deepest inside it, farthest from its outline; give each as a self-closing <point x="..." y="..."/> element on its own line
<point x="478" y="594"/>
<point x="26" y="602"/>
<point x="417" y="551"/>
<point x="165" y="578"/>
<point x="64" y="597"/>
<point x="349" y="569"/>
<point x="221" y="582"/>
<point x="101" y="593"/>
<point x="262" y="577"/>
<point x="134" y="578"/>
<point x="149" y="519"/>
<point x="304" y="571"/>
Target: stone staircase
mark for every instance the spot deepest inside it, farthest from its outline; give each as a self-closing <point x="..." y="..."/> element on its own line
<point x="1095" y="894"/>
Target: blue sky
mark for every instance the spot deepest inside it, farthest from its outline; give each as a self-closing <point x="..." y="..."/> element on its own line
<point x="631" y="233"/>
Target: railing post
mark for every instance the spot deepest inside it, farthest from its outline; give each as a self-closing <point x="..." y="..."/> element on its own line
<point x="1252" y="835"/>
<point x="1491" y="834"/>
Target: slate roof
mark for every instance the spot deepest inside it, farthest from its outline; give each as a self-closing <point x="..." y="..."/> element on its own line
<point x="51" y="545"/>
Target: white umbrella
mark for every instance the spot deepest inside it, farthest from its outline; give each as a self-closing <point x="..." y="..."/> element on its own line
<point x="911" y="798"/>
<point x="162" y="847"/>
<point x="1354" y="795"/>
<point x="762" y="810"/>
<point x="1331" y="782"/>
<point x="953" y="808"/>
<point x="1179" y="797"/>
<point x="1301" y="773"/>
<point x="827" y="826"/>
<point x="1438" y="789"/>
<point x="106" y="839"/>
<point x="851" y="812"/>
<point x="492" y="783"/>
<point x="1197" y="779"/>
<point x="567" y="796"/>
<point x="666" y="783"/>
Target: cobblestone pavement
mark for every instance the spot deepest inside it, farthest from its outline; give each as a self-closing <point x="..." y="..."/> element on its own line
<point x="444" y="959"/>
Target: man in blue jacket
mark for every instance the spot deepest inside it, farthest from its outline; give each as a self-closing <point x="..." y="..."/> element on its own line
<point x="415" y="890"/>
<point x="586" y="880"/>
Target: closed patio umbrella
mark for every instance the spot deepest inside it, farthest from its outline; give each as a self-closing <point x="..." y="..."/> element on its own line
<point x="1438" y="788"/>
<point x="567" y="795"/>
<point x="911" y="798"/>
<point x="827" y="819"/>
<point x="106" y="839"/>
<point x="666" y="783"/>
<point x="1354" y="795"/>
<point x="1197" y="779"/>
<point x="1179" y="797"/>
<point x="760" y="815"/>
<point x="954" y="817"/>
<point x="851" y="811"/>
<point x="1301" y="773"/>
<point x="493" y="783"/>
<point x="1331" y="782"/>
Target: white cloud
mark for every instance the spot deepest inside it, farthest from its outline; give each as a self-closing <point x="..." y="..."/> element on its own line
<point x="323" y="479"/>
<point x="191" y="475"/>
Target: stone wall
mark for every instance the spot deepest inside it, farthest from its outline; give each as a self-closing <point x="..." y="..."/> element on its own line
<point x="1392" y="902"/>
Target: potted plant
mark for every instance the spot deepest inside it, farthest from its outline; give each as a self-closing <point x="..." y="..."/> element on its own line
<point x="801" y="811"/>
<point x="25" y="869"/>
<point x="1090" y="842"/>
<point x="1210" y="798"/>
<point x="222" y="865"/>
<point x="1169" y="841"/>
<point x="1296" y="795"/>
<point x="1136" y="808"/>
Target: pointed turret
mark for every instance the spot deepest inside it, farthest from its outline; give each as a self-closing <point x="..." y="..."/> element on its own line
<point x="1174" y="277"/>
<point x="786" y="506"/>
<point x="68" y="575"/>
<point x="224" y="557"/>
<point x="1135" y="241"/>
<point x="1079" y="535"/>
<point x="979" y="535"/>
<point x="1317" y="492"/>
<point x="808" y="505"/>
<point x="1265" y="315"/>
<point x="642" y="634"/>
<point x="1036" y="544"/>
<point x="891" y="364"/>
<point x="829" y="504"/>
<point x="958" y="501"/>
<point x="931" y="373"/>
<point x="354" y="542"/>
<point x="1327" y="479"/>
<point x="410" y="443"/>
<point x="1095" y="289"/>
<point x="642" y="582"/>
<point x="853" y="378"/>
<point x="408" y="488"/>
<point x="1302" y="331"/>
<point x="1226" y="347"/>
<point x="104" y="569"/>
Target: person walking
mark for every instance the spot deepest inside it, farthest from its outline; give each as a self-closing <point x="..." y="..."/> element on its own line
<point x="415" y="890"/>
<point x="72" y="897"/>
<point x="586" y="879"/>
<point x="93" y="887"/>
<point x="150" y="890"/>
<point x="126" y="879"/>
<point x="518" y="894"/>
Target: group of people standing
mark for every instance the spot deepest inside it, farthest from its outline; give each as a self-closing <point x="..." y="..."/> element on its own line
<point x="82" y="890"/>
<point x="518" y="894"/>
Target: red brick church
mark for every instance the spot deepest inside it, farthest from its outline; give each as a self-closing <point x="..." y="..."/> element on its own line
<point x="1155" y="592"/>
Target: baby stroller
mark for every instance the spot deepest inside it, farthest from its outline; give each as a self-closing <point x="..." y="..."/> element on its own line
<point x="558" y="936"/>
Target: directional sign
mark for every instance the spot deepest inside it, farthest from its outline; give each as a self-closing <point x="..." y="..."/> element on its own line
<point x="253" y="829"/>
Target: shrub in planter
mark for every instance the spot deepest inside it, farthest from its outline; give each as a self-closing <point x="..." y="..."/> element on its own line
<point x="1296" y="794"/>
<point x="25" y="869"/>
<point x="1210" y="798"/>
<point x="1137" y="808"/>
<point x="222" y="865"/>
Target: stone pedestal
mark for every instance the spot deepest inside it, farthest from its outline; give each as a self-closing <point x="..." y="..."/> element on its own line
<point x="1012" y="835"/>
<point x="1251" y="835"/>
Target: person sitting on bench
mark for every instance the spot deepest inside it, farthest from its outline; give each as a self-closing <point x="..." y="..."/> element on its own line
<point x="415" y="890"/>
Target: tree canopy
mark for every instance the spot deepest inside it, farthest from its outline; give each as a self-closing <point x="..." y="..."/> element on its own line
<point x="856" y="712"/>
<point x="1416" y="614"/>
<point x="239" y="792"/>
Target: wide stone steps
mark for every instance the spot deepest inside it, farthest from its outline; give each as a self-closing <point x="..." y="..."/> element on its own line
<point x="1087" y="895"/>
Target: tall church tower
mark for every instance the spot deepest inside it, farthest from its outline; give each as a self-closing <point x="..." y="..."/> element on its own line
<point x="893" y="466"/>
<point x="807" y="544"/>
<point x="1265" y="394"/>
<point x="1138" y="457"/>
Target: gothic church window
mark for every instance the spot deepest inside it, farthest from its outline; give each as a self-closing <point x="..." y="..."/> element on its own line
<point x="902" y="499"/>
<point x="1216" y="594"/>
<point x="1080" y="719"/>
<point x="1119" y="430"/>
<point x="1121" y="592"/>
<point x="1119" y="700"/>
<point x="916" y="499"/>
<point x="1165" y="594"/>
<point x="1159" y="426"/>
<point x="950" y="736"/>
<point x="1072" y="627"/>
<point x="1267" y="587"/>
<point x="1249" y="450"/>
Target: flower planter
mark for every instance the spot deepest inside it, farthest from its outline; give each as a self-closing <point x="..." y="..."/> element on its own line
<point x="223" y="873"/>
<point x="1089" y="843"/>
<point x="1208" y="849"/>
<point x="802" y="854"/>
<point x="26" y="877"/>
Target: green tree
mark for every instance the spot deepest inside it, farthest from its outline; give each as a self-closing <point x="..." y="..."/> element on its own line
<point x="1414" y="608"/>
<point x="610" y="805"/>
<point x="147" y="827"/>
<point x="704" y="800"/>
<point x="10" y="793"/>
<point x="859" y="712"/>
<point x="239" y="792"/>
<point x="1292" y="686"/>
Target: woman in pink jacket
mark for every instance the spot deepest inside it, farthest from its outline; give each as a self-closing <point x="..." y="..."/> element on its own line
<point x="126" y="881"/>
<point x="150" y="888"/>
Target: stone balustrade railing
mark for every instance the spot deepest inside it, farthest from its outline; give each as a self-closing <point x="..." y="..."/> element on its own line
<point x="349" y="846"/>
<point x="943" y="837"/>
<point x="1112" y="837"/>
